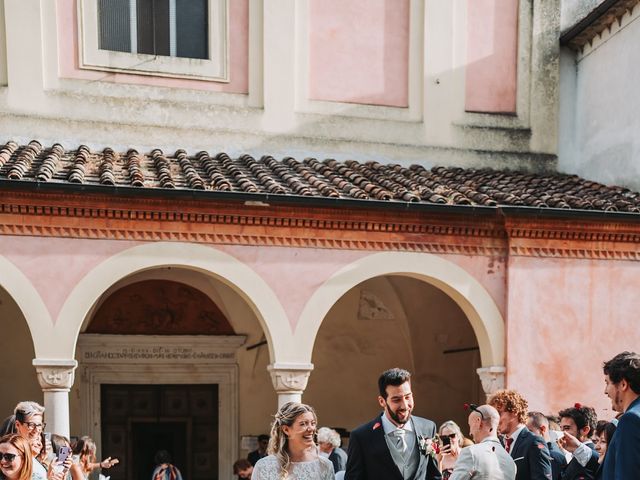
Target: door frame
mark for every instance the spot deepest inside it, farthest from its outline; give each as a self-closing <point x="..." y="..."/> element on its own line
<point x="162" y="360"/>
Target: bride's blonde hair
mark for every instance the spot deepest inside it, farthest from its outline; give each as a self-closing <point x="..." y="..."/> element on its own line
<point x="278" y="443"/>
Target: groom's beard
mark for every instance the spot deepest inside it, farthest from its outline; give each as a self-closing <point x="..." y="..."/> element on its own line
<point x="395" y="415"/>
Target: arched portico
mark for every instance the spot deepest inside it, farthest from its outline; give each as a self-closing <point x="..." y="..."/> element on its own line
<point x="472" y="298"/>
<point x="54" y="372"/>
<point x="61" y="341"/>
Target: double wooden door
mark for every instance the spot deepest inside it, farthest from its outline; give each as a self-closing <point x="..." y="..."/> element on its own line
<point x="139" y="420"/>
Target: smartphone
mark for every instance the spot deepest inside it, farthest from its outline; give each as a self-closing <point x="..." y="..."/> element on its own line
<point x="555" y="435"/>
<point x="445" y="440"/>
<point x="63" y="454"/>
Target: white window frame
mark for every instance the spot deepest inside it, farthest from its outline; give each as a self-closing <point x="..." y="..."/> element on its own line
<point x="216" y="69"/>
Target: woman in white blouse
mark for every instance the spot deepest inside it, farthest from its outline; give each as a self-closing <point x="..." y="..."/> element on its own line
<point x="293" y="453"/>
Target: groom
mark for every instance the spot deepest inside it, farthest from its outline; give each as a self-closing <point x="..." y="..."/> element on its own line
<point x="393" y="445"/>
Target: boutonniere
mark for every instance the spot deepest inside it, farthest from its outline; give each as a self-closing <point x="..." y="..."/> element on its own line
<point x="427" y="446"/>
<point x="376" y="425"/>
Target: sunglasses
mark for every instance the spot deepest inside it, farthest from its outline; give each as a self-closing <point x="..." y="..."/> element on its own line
<point x="451" y="436"/>
<point x="7" y="457"/>
<point x="474" y="408"/>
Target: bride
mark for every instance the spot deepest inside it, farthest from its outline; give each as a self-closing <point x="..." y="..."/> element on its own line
<point x="293" y="454"/>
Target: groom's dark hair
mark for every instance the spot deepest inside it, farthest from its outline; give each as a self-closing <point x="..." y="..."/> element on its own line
<point x="393" y="376"/>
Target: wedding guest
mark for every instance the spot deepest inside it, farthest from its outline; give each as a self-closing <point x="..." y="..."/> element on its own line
<point x="622" y="386"/>
<point x="529" y="451"/>
<point x="15" y="458"/>
<point x="451" y="443"/>
<point x="29" y="424"/>
<point x="57" y="442"/>
<point x="603" y="436"/>
<point x="165" y="470"/>
<point x="84" y="456"/>
<point x="578" y="423"/>
<point x="243" y="469"/>
<point x="538" y="424"/>
<point x="261" y="451"/>
<point x="8" y="425"/>
<point x="292" y="452"/>
<point x="329" y="444"/>
<point x="487" y="459"/>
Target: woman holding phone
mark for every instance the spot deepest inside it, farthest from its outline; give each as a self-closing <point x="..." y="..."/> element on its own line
<point x="450" y="444"/>
<point x="293" y="453"/>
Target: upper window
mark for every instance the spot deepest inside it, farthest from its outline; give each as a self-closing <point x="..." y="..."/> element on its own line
<point x="177" y="38"/>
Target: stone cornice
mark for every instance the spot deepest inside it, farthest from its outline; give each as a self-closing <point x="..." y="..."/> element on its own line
<point x="240" y="224"/>
<point x="487" y="234"/>
<point x="564" y="239"/>
<point x="602" y="19"/>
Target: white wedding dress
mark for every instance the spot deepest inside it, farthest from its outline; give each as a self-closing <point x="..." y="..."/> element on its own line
<point x="267" y="468"/>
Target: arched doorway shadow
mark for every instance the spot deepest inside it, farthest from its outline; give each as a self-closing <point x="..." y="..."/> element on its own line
<point x="25" y="322"/>
<point x="464" y="289"/>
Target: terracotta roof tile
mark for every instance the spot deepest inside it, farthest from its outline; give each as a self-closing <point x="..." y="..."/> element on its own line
<point x="159" y="171"/>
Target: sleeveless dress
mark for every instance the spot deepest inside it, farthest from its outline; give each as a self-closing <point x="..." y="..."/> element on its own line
<point x="267" y="468"/>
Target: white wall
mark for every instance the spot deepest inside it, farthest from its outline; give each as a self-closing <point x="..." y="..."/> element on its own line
<point x="599" y="107"/>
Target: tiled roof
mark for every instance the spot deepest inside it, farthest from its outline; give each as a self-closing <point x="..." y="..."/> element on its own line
<point x="159" y="172"/>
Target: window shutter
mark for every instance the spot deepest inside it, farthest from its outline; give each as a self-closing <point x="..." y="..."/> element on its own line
<point x="192" y="29"/>
<point x="114" y="25"/>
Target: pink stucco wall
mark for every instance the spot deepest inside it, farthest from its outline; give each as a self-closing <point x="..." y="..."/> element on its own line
<point x="565" y="318"/>
<point x="359" y="51"/>
<point x="67" y="30"/>
<point x="492" y="46"/>
<point x="56" y="265"/>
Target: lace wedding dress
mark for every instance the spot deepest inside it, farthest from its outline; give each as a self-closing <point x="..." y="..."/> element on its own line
<point x="267" y="468"/>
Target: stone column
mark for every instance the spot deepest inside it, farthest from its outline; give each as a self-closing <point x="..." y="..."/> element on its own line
<point x="56" y="378"/>
<point x="492" y="378"/>
<point x="289" y="380"/>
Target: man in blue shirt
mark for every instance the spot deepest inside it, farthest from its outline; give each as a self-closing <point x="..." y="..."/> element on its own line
<point x="622" y="379"/>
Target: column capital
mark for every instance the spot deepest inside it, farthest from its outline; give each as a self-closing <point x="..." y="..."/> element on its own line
<point x="55" y="375"/>
<point x="290" y="378"/>
<point x="492" y="378"/>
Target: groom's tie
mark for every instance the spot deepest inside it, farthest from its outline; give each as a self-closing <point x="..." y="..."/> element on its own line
<point x="400" y="439"/>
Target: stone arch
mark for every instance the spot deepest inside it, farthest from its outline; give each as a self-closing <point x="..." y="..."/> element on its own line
<point x="205" y="259"/>
<point x="474" y="300"/>
<point x="30" y="303"/>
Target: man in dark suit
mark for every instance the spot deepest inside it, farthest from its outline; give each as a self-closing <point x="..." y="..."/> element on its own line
<point x="538" y="424"/>
<point x="529" y="451"/>
<point x="261" y="451"/>
<point x="578" y="424"/>
<point x="396" y="444"/>
<point x="622" y="379"/>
